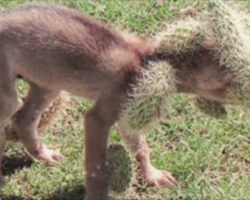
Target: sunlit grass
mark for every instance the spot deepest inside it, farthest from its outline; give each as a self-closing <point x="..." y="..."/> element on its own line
<point x="210" y="158"/>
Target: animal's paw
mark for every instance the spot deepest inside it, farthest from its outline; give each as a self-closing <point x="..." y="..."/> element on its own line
<point x="48" y="156"/>
<point x="155" y="178"/>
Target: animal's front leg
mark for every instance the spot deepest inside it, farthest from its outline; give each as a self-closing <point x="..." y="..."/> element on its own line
<point x="26" y="120"/>
<point x="139" y="148"/>
<point x="2" y="145"/>
<point x="98" y="122"/>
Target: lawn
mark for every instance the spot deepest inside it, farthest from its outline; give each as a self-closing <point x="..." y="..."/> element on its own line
<point x="209" y="157"/>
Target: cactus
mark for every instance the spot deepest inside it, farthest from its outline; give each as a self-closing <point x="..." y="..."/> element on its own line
<point x="152" y="90"/>
<point x="119" y="168"/>
<point x="181" y="37"/>
<point x="228" y="30"/>
<point x="239" y="94"/>
<point x="232" y="44"/>
<point x="246" y="20"/>
<point x="56" y="108"/>
<point x="211" y="108"/>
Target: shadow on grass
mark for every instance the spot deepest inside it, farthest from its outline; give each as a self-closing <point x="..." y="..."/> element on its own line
<point x="76" y="192"/>
<point x="14" y="198"/>
<point x="15" y="160"/>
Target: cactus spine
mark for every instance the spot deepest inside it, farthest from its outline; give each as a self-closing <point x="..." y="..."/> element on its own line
<point x="211" y="108"/>
<point x="232" y="47"/>
<point x="181" y="37"/>
<point x="119" y="168"/>
<point x="152" y="90"/>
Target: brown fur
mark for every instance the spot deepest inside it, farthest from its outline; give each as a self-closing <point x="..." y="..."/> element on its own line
<point x="200" y="73"/>
<point x="56" y="48"/>
<point x="56" y="108"/>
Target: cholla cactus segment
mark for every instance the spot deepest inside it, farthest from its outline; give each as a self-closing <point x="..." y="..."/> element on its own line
<point x="151" y="91"/>
<point x="119" y="168"/>
<point x="232" y="40"/>
<point x="57" y="107"/>
<point x="211" y="108"/>
<point x="239" y="94"/>
<point x="181" y="37"/>
<point x="246" y="21"/>
<point x="243" y="11"/>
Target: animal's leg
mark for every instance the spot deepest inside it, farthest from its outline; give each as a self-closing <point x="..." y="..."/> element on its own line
<point x="8" y="104"/>
<point x="137" y="144"/>
<point x="98" y="122"/>
<point x="2" y="145"/>
<point x="26" y="121"/>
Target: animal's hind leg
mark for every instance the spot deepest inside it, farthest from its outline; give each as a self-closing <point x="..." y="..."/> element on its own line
<point x="27" y="119"/>
<point x="8" y="103"/>
<point x="137" y="145"/>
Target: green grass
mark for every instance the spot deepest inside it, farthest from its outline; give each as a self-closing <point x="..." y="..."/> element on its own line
<point x="210" y="158"/>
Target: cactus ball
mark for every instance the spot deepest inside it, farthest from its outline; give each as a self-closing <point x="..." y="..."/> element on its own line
<point x="119" y="168"/>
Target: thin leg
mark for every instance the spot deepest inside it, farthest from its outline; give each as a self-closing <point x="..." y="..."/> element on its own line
<point x="137" y="145"/>
<point x="2" y="145"/>
<point x="98" y="122"/>
<point x="26" y="121"/>
<point x="8" y="104"/>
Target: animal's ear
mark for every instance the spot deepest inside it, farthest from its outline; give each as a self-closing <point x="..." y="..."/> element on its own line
<point x="142" y="45"/>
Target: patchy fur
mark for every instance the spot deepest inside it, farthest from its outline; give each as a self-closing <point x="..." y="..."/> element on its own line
<point x="56" y="48"/>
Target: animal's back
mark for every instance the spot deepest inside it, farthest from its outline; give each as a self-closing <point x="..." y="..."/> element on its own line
<point x="60" y="47"/>
<point x="45" y="25"/>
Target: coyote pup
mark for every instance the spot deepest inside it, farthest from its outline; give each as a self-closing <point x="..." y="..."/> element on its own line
<point x="56" y="48"/>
